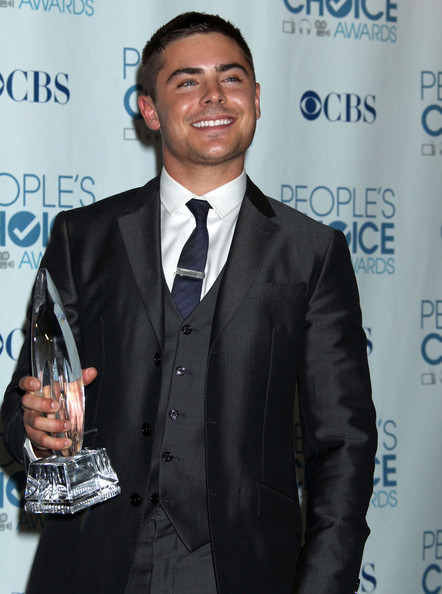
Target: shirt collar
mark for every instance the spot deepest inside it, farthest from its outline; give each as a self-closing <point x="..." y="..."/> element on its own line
<point x="223" y="199"/>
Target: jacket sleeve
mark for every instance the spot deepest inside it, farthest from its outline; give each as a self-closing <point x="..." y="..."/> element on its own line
<point x="339" y="429"/>
<point x="57" y="261"/>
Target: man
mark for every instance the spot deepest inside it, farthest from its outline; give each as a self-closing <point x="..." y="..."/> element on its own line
<point x="194" y="400"/>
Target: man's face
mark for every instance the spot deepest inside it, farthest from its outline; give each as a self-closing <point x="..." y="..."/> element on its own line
<point x="207" y="102"/>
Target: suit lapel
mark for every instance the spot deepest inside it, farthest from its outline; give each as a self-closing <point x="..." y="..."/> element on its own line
<point x="140" y="230"/>
<point x="254" y="233"/>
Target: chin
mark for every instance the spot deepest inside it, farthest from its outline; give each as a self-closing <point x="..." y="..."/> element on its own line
<point x="221" y="155"/>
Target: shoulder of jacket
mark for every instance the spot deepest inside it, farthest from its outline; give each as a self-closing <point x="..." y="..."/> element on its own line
<point x="116" y="205"/>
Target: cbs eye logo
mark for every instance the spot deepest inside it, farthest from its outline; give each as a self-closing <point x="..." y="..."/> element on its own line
<point x="349" y="108"/>
<point x="311" y="105"/>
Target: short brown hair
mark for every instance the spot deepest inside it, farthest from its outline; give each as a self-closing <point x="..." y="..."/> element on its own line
<point x="185" y="25"/>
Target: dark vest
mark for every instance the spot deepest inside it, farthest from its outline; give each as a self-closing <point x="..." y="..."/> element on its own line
<point x="178" y="470"/>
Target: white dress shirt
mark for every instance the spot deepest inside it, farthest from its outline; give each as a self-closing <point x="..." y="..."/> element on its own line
<point x="177" y="224"/>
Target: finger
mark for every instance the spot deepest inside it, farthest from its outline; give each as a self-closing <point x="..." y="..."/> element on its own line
<point x="47" y="425"/>
<point x="31" y="401"/>
<point x="29" y="384"/>
<point x="89" y="374"/>
<point x="76" y="411"/>
<point x="44" y="442"/>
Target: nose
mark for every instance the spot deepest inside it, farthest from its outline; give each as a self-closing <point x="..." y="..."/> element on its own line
<point x="213" y="93"/>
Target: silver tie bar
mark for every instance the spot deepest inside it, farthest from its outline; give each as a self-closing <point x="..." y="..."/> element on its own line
<point x="190" y="273"/>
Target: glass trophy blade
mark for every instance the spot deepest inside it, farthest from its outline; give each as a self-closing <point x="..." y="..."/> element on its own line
<point x="55" y="360"/>
<point x="76" y="478"/>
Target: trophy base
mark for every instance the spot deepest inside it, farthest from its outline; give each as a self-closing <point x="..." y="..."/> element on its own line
<point x="66" y="485"/>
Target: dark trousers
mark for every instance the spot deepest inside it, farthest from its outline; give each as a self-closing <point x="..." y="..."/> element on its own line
<point x="163" y="565"/>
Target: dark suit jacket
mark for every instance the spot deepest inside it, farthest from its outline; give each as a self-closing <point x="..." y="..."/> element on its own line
<point x="287" y="314"/>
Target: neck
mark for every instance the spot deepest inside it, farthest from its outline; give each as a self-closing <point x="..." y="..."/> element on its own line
<point x="203" y="178"/>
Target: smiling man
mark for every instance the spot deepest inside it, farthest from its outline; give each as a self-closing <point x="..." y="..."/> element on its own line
<point x="206" y="106"/>
<point x="202" y="306"/>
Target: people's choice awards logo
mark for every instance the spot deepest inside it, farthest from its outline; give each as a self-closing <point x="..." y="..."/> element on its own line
<point x="10" y="343"/>
<point x="431" y="341"/>
<point x="67" y="7"/>
<point x="21" y="227"/>
<point x="431" y="115"/>
<point x="12" y="488"/>
<point x="385" y="483"/>
<point x="366" y="216"/>
<point x="134" y="128"/>
<point x="432" y="557"/>
<point x="361" y="20"/>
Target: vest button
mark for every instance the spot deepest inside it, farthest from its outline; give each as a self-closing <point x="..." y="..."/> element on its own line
<point x="154" y="498"/>
<point x="173" y="414"/>
<point x="180" y="370"/>
<point x="167" y="456"/>
<point x="135" y="499"/>
<point x="146" y="429"/>
<point x="186" y="329"/>
<point x="157" y="359"/>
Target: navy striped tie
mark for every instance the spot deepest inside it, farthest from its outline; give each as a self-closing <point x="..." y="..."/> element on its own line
<point x="188" y="281"/>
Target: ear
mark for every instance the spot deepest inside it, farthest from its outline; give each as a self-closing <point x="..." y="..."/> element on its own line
<point x="257" y="102"/>
<point x="149" y="112"/>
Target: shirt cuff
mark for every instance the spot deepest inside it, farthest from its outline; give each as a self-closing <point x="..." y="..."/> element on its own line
<point x="30" y="454"/>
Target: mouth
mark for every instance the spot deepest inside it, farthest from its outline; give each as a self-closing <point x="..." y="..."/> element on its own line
<point x="213" y="123"/>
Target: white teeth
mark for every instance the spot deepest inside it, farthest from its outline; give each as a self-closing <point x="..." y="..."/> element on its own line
<point x="211" y="123"/>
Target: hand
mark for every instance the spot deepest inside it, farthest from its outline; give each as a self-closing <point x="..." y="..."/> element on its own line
<point x="39" y="426"/>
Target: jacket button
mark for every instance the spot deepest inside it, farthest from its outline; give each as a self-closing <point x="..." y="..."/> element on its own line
<point x="157" y="359"/>
<point x="186" y="329"/>
<point x="180" y="370"/>
<point x="154" y="498"/>
<point x="167" y="456"/>
<point x="135" y="499"/>
<point x="146" y="429"/>
<point x="173" y="414"/>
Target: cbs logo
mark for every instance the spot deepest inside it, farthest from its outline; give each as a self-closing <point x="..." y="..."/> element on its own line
<point x="35" y="86"/>
<point x="349" y="108"/>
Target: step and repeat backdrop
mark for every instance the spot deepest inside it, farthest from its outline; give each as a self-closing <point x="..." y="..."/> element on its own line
<point x="350" y="133"/>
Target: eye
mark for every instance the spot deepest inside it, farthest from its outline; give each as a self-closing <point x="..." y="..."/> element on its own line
<point x="189" y="82"/>
<point x="232" y="78"/>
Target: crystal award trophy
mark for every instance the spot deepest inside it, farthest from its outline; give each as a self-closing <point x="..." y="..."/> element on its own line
<point x="76" y="478"/>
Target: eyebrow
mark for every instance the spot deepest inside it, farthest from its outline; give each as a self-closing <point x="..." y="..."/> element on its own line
<point x="221" y="68"/>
